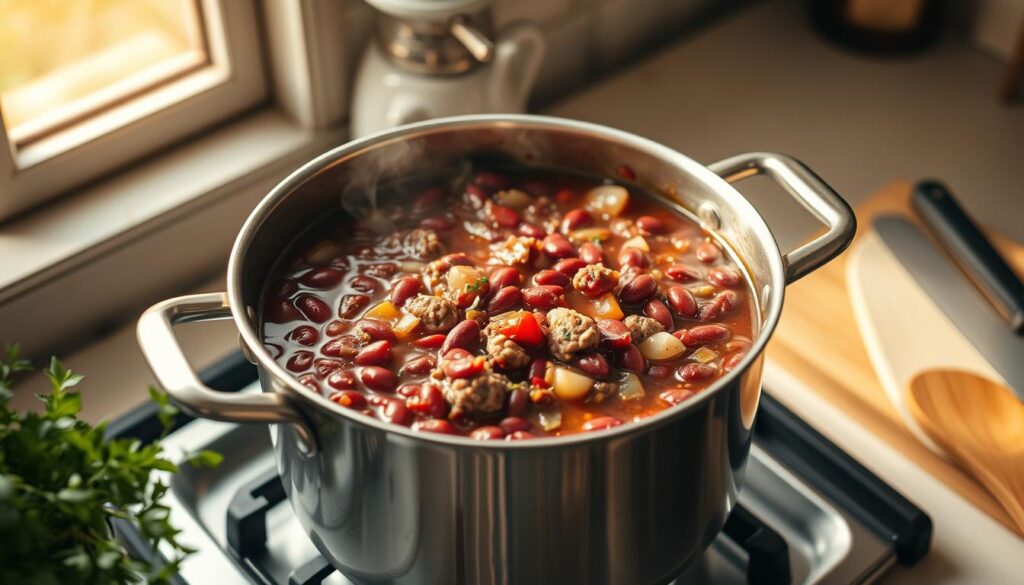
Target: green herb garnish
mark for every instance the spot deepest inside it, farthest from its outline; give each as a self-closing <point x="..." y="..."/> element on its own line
<point x="61" y="480"/>
<point x="477" y="284"/>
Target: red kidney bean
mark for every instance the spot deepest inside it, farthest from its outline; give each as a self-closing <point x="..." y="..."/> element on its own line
<point x="682" y="273"/>
<point x="364" y="284"/>
<point x="336" y="328"/>
<point x="518" y="402"/>
<point x="631" y="359"/>
<point x="593" y="365"/>
<point x="549" y="277"/>
<point x="315" y="309"/>
<point x="341" y="380"/>
<point x="491" y="181"/>
<point x="322" y="278"/>
<point x="575" y="219"/>
<point x="657" y="310"/>
<point x="633" y="257"/>
<point x="708" y="312"/>
<point x="659" y="372"/>
<point x="565" y="195"/>
<point x="304" y="335"/>
<point x="676" y="395"/>
<point x="680" y="335"/>
<point x="705" y="335"/>
<point x="511" y="424"/>
<point x="455" y="354"/>
<point x="376" y="330"/>
<point x="505" y="299"/>
<point x="723" y="277"/>
<point x="569" y="266"/>
<point x="428" y="199"/>
<point x="408" y="390"/>
<point x="385" y="270"/>
<point x="440" y="223"/>
<point x="378" y="378"/>
<point x="545" y="297"/>
<point x="557" y="246"/>
<point x="520" y="436"/>
<point x="730" y="363"/>
<point x="707" y="252"/>
<point x="505" y="216"/>
<point x="281" y="311"/>
<point x="325" y="366"/>
<point x="375" y="354"/>
<point x="614" y="335"/>
<point x="394" y="411"/>
<point x="649" y="224"/>
<point x="349" y="399"/>
<point x="626" y="172"/>
<point x="434" y="425"/>
<point x="430" y="341"/>
<point x="352" y="305"/>
<point x="531" y="231"/>
<point x="428" y="401"/>
<point x="638" y="289"/>
<point x="538" y="368"/>
<point x="345" y="346"/>
<point x="300" y="361"/>
<point x="311" y="383"/>
<point x="287" y="288"/>
<point x="487" y="433"/>
<point x="682" y="301"/>
<point x="600" y="423"/>
<point x="726" y="301"/>
<point x="463" y="367"/>
<point x="503" y="277"/>
<point x="404" y="289"/>
<point x="695" y="372"/>
<point x="465" y="335"/>
<point x="591" y="253"/>
<point x="420" y="366"/>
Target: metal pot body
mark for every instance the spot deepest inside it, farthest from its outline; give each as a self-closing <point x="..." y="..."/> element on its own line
<point x="384" y="504"/>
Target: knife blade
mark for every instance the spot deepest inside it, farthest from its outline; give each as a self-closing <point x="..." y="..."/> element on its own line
<point x="956" y="296"/>
<point x="964" y="241"/>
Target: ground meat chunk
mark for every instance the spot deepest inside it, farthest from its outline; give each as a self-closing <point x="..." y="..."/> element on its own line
<point x="436" y="314"/>
<point x="602" y="390"/>
<point x="423" y="244"/>
<point x="570" y="332"/>
<point x="516" y="250"/>
<point x="640" y="328"/>
<point x="595" y="280"/>
<point x="504" y="353"/>
<point x="480" y="395"/>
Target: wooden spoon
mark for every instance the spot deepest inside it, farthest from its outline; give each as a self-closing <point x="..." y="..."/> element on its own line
<point x="980" y="424"/>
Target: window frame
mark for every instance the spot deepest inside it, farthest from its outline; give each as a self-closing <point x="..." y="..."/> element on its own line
<point x="233" y="80"/>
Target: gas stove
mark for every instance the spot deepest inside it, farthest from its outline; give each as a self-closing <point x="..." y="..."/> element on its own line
<point x="807" y="513"/>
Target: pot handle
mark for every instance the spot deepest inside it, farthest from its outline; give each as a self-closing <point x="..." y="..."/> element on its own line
<point x="160" y="346"/>
<point x="813" y="193"/>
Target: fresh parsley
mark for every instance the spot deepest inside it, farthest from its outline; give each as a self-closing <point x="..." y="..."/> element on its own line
<point x="476" y="285"/>
<point x="61" y="480"/>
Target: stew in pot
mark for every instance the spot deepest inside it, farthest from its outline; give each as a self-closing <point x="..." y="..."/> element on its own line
<point x="508" y="304"/>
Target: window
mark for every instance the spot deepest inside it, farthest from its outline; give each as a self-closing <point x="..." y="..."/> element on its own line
<point x="89" y="85"/>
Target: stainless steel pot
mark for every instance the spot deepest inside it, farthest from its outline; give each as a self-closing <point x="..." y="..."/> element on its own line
<point x="384" y="504"/>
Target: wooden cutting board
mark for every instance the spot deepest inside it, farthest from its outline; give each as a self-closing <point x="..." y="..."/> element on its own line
<point x="819" y="342"/>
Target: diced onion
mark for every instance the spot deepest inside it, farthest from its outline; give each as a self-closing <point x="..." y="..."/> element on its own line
<point x="570" y="385"/>
<point x="412" y="267"/>
<point x="461" y="276"/>
<point x="630" y="388"/>
<point x="703" y="291"/>
<point x="661" y="346"/>
<point x="637" y="242"/>
<point x="608" y="199"/>
<point x="590" y="234"/>
<point x="513" y="198"/>
<point x="704" y="355"/>
<point x="550" y="420"/>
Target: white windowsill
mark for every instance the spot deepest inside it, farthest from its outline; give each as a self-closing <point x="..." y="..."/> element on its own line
<point x="109" y="214"/>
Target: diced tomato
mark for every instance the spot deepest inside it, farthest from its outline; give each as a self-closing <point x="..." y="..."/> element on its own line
<point x="525" y="330"/>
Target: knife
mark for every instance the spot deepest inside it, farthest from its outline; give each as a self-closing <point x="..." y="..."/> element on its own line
<point x="971" y="250"/>
<point x="954" y="294"/>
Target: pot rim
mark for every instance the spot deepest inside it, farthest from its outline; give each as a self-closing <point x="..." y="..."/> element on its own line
<point x="254" y="343"/>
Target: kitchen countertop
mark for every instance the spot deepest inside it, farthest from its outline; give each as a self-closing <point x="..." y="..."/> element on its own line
<point x="762" y="80"/>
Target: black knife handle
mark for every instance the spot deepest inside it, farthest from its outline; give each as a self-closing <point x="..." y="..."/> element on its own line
<point x="960" y="237"/>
